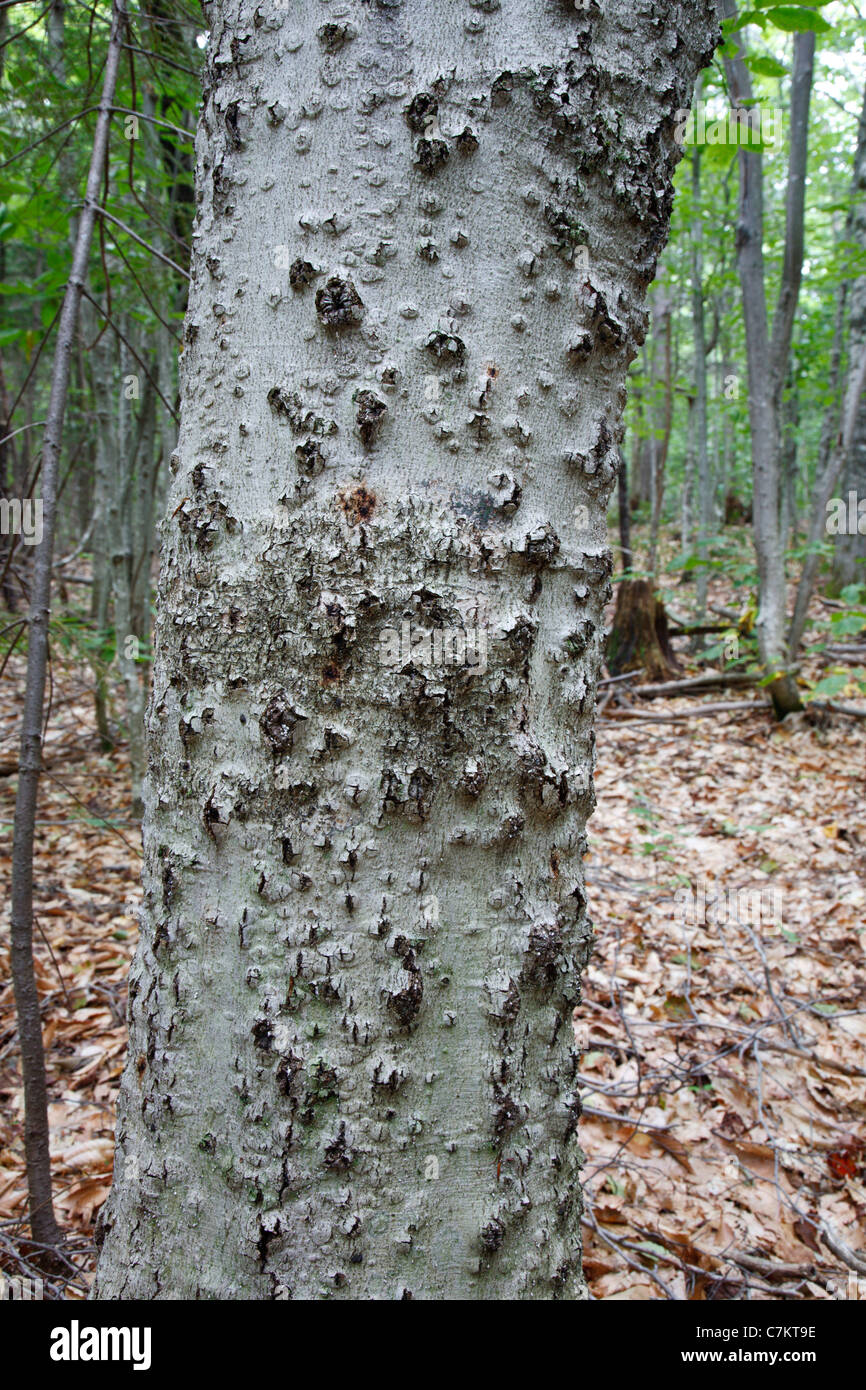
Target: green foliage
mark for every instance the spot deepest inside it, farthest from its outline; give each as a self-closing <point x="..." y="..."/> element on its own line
<point x="763" y="35"/>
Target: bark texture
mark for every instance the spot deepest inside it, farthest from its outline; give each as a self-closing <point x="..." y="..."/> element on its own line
<point x="352" y="1069"/>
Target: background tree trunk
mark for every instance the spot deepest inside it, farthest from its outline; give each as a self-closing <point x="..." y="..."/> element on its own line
<point x="43" y="1224"/>
<point x="768" y="356"/>
<point x="849" y="559"/>
<point x="662" y="416"/>
<point x="702" y="457"/>
<point x="352" y="1067"/>
<point x="850" y="547"/>
<point x="624" y="514"/>
<point x="841" y="428"/>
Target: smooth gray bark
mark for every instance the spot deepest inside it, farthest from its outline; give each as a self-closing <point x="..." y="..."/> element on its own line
<point x="352" y="1069"/>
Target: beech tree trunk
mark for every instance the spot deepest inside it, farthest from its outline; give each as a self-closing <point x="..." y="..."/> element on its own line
<point x="352" y="1069"/>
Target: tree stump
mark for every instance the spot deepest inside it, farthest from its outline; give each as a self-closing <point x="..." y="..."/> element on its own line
<point x="639" y="637"/>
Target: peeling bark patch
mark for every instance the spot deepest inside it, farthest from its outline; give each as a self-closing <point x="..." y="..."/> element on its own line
<point x="168" y="885"/>
<point x="406" y="1002"/>
<point x="431" y="154"/>
<point x="610" y="333"/>
<point x="311" y="458"/>
<point x="333" y="37"/>
<point x="467" y="141"/>
<point x="301" y="274"/>
<point x="447" y="348"/>
<point x="212" y="815"/>
<point x="287" y="1074"/>
<point x="370" y="416"/>
<point x="358" y="505"/>
<point x="322" y="1088"/>
<point x="492" y="1236"/>
<point x="421" y="112"/>
<point x="474" y="778"/>
<point x="500" y="92"/>
<point x="568" y="230"/>
<point x="338" y="1157"/>
<point x="421" y="790"/>
<point x="543" y="955"/>
<point x="541" y="545"/>
<point x="391" y="1083"/>
<point x="266" y="1238"/>
<point x="232" y="131"/>
<point x="302" y="419"/>
<point x="579" y="348"/>
<point x="521" y="638"/>
<point x="508" y="1114"/>
<point x="575" y="1110"/>
<point x="278" y="721"/>
<point x="577" y="642"/>
<point x="339" y="305"/>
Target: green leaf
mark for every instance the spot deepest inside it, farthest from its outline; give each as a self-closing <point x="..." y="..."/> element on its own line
<point x="830" y="685"/>
<point x="796" y="19"/>
<point x="766" y="67"/>
<point x="848" y="624"/>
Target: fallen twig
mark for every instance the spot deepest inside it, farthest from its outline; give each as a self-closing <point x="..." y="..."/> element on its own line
<point x="773" y="1269"/>
<point x="692" y="683"/>
<point x="843" y="1252"/>
<point x="832" y="707"/>
<point x="723" y="707"/>
<point x="614" y="680"/>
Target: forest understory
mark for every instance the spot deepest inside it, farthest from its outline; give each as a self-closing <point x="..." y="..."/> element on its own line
<point x="723" y="1047"/>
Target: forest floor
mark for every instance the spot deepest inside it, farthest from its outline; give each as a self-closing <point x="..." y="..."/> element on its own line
<point x="723" y="1024"/>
